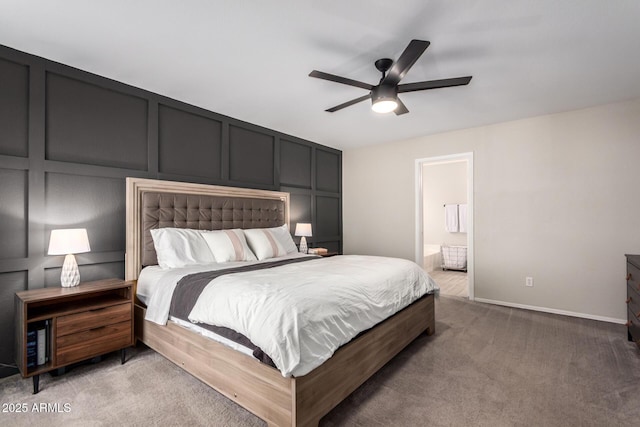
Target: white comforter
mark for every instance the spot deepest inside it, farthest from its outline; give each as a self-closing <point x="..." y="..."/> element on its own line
<point x="300" y="314"/>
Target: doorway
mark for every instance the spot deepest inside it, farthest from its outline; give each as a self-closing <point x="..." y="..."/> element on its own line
<point x="444" y="221"/>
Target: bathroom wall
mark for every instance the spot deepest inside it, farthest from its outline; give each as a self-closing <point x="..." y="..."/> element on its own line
<point x="442" y="183"/>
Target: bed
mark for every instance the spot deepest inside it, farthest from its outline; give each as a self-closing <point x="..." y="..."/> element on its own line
<point x="260" y="388"/>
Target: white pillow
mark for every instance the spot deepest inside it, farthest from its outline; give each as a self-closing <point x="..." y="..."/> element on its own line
<point x="228" y="245"/>
<point x="284" y="237"/>
<point x="178" y="247"/>
<point x="270" y="242"/>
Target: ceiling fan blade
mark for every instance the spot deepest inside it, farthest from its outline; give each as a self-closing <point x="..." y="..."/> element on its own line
<point x="405" y="62"/>
<point x="348" y="103"/>
<point x="401" y="108"/>
<point x="338" y="79"/>
<point x="434" y="84"/>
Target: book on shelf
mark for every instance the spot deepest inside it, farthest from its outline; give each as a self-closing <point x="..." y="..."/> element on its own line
<point x="38" y="345"/>
<point x="318" y="251"/>
<point x="32" y="343"/>
<point x="42" y="345"/>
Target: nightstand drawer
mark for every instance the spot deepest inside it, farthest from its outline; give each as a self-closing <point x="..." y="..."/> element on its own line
<point x="103" y="339"/>
<point x="93" y="318"/>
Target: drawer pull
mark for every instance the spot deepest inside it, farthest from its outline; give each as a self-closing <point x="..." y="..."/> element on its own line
<point x="93" y="310"/>
<point x="628" y="300"/>
<point x="629" y="276"/>
<point x="629" y="323"/>
<point x="97" y="329"/>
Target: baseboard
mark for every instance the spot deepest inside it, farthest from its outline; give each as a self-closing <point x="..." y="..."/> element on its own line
<point x="553" y="311"/>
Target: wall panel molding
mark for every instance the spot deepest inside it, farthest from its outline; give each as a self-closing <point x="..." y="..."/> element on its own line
<point x="36" y="205"/>
<point x="152" y="138"/>
<point x="9" y="162"/>
<point x="11" y="282"/>
<point x="13" y="213"/>
<point x="251" y="156"/>
<point x="93" y="124"/>
<point x="14" y="108"/>
<point x="189" y="144"/>
<point x="81" y="169"/>
<point x="296" y="164"/>
<point x="327" y="171"/>
<point x="82" y="134"/>
<point x="328" y="214"/>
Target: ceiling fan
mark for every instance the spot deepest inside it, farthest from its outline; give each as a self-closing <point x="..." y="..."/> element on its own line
<point x="384" y="95"/>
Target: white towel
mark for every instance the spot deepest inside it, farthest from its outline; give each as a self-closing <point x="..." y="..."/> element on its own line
<point x="451" y="218"/>
<point x="462" y="218"/>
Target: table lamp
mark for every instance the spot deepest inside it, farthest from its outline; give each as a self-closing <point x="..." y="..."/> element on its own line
<point x="303" y="229"/>
<point x="68" y="242"/>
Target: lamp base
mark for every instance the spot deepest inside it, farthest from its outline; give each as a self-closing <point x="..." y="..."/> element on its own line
<point x="70" y="274"/>
<point x="303" y="245"/>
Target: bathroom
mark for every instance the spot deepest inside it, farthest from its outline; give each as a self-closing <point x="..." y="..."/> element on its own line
<point x="445" y="224"/>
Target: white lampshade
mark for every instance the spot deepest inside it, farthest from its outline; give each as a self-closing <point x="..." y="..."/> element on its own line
<point x="69" y="241"/>
<point x="303" y="229"/>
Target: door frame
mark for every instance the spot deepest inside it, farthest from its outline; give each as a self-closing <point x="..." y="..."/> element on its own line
<point x="419" y="249"/>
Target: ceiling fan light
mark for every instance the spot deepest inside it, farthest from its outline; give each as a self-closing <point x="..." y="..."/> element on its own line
<point x="385" y="105"/>
<point x="384" y="99"/>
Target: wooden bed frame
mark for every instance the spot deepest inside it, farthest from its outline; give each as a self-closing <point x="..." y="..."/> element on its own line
<point x="259" y="388"/>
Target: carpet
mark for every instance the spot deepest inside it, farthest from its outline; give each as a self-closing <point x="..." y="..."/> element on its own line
<point x="485" y="366"/>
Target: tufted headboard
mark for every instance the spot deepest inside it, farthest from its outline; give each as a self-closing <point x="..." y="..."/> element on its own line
<point x="157" y="204"/>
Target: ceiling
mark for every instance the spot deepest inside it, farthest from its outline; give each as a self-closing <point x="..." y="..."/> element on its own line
<point x="250" y="59"/>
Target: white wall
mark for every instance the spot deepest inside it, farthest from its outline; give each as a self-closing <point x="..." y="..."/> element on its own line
<point x="443" y="183"/>
<point x="556" y="197"/>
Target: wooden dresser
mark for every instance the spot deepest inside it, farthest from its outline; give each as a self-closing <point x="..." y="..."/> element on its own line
<point x="633" y="298"/>
<point x="77" y="323"/>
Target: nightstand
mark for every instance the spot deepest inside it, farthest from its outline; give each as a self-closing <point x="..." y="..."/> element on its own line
<point x="68" y="325"/>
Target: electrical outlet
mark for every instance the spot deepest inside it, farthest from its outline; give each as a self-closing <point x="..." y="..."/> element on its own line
<point x="528" y="281"/>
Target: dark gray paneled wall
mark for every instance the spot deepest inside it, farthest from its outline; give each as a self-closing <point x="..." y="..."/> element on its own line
<point x="69" y="138"/>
